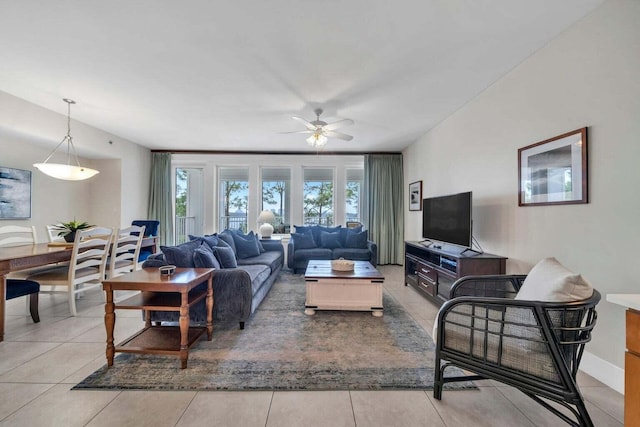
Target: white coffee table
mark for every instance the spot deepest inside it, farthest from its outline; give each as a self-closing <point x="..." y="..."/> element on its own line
<point x="357" y="290"/>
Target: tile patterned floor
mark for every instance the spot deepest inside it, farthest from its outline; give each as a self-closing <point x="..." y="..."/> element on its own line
<point x="39" y="363"/>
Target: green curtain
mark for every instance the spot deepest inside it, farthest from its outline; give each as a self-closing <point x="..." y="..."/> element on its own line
<point x="384" y="215"/>
<point x="160" y="196"/>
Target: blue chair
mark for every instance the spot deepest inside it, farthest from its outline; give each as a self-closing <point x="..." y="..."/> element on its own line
<point x="20" y="288"/>
<point x="150" y="230"/>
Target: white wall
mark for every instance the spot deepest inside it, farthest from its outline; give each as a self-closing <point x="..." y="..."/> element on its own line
<point x="117" y="195"/>
<point x="588" y="76"/>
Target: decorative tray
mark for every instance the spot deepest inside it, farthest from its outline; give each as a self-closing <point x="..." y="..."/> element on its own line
<point x="342" y="265"/>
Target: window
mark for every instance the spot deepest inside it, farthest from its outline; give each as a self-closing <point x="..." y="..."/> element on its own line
<point x="318" y="197"/>
<point x="189" y="206"/>
<point x="234" y="198"/>
<point x="276" y="196"/>
<point x="353" y="192"/>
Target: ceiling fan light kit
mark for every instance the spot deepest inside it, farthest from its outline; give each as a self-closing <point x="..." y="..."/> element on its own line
<point x="321" y="131"/>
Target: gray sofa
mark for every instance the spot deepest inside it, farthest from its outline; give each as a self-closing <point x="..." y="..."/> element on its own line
<point x="327" y="243"/>
<point x="239" y="284"/>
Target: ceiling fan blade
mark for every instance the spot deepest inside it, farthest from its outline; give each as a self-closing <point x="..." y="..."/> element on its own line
<point x="339" y="135"/>
<point x="300" y="131"/>
<point x="338" y="124"/>
<point x="308" y="125"/>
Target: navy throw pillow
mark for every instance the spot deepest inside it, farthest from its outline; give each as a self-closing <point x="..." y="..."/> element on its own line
<point x="203" y="257"/>
<point x="226" y="257"/>
<point x="260" y="245"/>
<point x="317" y="229"/>
<point x="330" y="240"/>
<point x="357" y="240"/>
<point x="303" y="240"/>
<point x="211" y="239"/>
<point x="246" y="246"/>
<point x="181" y="255"/>
<point x="227" y="237"/>
<point x="302" y="228"/>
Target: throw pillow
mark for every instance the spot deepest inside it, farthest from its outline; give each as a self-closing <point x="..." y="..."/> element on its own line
<point x="227" y="237"/>
<point x="317" y="229"/>
<point x="303" y="240"/>
<point x="550" y="281"/>
<point x="211" y="240"/>
<point x="181" y="255"/>
<point x="330" y="240"/>
<point x="344" y="232"/>
<point x="246" y="246"/>
<point x="260" y="245"/>
<point x="203" y="257"/>
<point x="357" y="240"/>
<point x="226" y="257"/>
<point x="301" y="228"/>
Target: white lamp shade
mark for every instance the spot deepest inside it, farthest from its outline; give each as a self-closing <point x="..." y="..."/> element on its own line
<point x="66" y="172"/>
<point x="266" y="216"/>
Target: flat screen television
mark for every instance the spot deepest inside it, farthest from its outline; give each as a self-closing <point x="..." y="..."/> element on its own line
<point x="448" y="219"/>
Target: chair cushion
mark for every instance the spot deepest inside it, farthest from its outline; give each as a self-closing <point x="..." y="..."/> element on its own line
<point x="550" y="281"/>
<point x="19" y="288"/>
<point x="303" y="240"/>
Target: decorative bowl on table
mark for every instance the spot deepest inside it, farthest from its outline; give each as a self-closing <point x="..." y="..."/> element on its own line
<point x="342" y="265"/>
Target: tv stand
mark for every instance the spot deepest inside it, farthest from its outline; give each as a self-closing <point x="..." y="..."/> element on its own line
<point x="432" y="271"/>
<point x="471" y="250"/>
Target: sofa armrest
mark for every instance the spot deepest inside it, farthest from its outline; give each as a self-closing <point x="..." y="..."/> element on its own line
<point x="373" y="248"/>
<point x="273" y="245"/>
<point x="290" y="251"/>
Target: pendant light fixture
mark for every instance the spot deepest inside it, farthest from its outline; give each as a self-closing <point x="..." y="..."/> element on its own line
<point x="66" y="171"/>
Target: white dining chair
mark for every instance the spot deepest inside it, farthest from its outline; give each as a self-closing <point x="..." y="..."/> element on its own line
<point x="87" y="267"/>
<point x="125" y="248"/>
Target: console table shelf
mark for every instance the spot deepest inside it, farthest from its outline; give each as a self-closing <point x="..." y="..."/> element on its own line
<point x="432" y="271"/>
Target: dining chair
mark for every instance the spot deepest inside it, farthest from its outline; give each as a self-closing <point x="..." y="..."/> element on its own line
<point x="52" y="232"/>
<point x="125" y="249"/>
<point x="14" y="235"/>
<point x="150" y="230"/>
<point x="86" y="270"/>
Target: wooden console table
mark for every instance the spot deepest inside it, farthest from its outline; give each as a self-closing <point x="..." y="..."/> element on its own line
<point x="159" y="293"/>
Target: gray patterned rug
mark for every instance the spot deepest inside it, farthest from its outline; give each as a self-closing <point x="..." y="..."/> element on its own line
<point x="283" y="349"/>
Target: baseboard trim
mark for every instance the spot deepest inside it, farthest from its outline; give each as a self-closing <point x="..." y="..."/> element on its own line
<point x="603" y="371"/>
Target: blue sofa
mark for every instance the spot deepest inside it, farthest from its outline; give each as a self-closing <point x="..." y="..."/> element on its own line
<point x="246" y="269"/>
<point x="327" y="243"/>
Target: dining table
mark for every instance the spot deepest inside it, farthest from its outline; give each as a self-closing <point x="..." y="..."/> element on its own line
<point x="16" y="258"/>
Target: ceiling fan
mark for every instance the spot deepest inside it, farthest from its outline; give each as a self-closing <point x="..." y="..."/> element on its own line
<point x="320" y="131"/>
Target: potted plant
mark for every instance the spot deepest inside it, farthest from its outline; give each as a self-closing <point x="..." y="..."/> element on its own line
<point x="68" y="229"/>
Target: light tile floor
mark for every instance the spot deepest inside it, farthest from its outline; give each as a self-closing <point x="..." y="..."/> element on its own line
<point x="39" y="363"/>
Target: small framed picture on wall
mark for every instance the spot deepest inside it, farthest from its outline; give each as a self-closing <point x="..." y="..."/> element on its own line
<point x="415" y="196"/>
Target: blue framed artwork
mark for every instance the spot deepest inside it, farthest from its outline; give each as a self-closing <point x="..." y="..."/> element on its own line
<point x="15" y="193"/>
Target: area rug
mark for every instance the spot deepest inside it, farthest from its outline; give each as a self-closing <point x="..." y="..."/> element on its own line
<point x="281" y="348"/>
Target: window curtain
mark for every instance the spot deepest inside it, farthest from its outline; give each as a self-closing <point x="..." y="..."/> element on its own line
<point x="160" y="196"/>
<point x="383" y="213"/>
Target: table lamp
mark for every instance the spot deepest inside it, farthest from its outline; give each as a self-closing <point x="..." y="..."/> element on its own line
<point x="266" y="218"/>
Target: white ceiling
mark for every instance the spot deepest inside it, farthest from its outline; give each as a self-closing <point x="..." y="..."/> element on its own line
<point x="228" y="75"/>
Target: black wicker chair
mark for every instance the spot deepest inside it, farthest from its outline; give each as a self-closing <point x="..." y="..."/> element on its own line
<point x="533" y="346"/>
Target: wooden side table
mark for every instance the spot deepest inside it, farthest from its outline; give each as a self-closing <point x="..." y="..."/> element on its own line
<point x="159" y="293"/>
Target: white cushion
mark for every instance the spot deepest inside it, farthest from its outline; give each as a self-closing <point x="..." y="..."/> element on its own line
<point x="550" y="281"/>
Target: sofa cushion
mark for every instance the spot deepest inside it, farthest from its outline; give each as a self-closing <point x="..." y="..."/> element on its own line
<point x="302" y="228"/>
<point x="203" y="257"/>
<point x="271" y="259"/>
<point x="303" y="240"/>
<point x="258" y="273"/>
<point x="352" y="254"/>
<point x="227" y="237"/>
<point x="246" y="245"/>
<point x="550" y="281"/>
<point x="211" y="240"/>
<point x="346" y="231"/>
<point x="181" y="255"/>
<point x="317" y="229"/>
<point x="226" y="257"/>
<point x="357" y="240"/>
<point x="313" y="253"/>
<point x="330" y="240"/>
